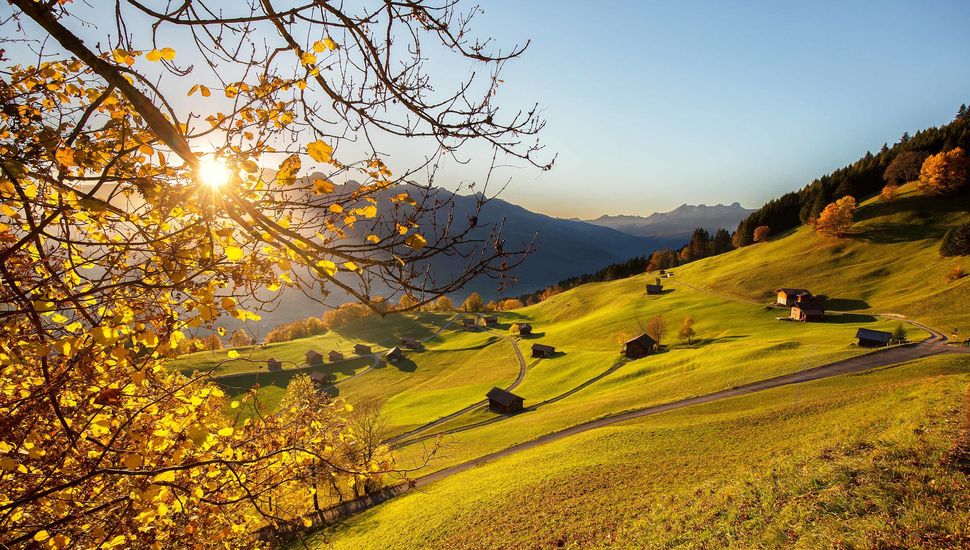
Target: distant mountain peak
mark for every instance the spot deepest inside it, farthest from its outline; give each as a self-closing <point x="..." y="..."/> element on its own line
<point x="679" y="222"/>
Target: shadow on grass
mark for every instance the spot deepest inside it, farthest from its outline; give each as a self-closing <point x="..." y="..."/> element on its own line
<point x="843" y="304"/>
<point x="848" y="318"/>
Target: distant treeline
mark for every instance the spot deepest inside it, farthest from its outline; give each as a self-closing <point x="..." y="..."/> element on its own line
<point x="860" y="179"/>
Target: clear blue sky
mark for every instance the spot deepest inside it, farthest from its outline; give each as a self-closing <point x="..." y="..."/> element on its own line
<point x="654" y="104"/>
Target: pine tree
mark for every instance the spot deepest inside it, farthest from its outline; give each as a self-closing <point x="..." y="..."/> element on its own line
<point x="722" y="241"/>
<point x="956" y="241"/>
<point x="963" y="114"/>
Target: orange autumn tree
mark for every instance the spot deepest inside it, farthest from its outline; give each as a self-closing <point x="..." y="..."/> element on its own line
<point x="836" y="219"/>
<point x="131" y="215"/>
<point x="944" y="173"/>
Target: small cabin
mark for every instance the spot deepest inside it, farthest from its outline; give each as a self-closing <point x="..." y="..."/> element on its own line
<point x="314" y="358"/>
<point x="410" y="343"/>
<point x="274" y="364"/>
<point x="873" y="338"/>
<point x="362" y="349"/>
<point x="393" y="355"/>
<point x="524" y="328"/>
<point x="469" y="323"/>
<point x="638" y="347"/>
<point x="655" y="289"/>
<point x="542" y="351"/>
<point x="670" y="274"/>
<point x="807" y="311"/>
<point x="663" y="272"/>
<point x="789" y="296"/>
<point x="335" y="356"/>
<point x="490" y="320"/>
<point x="319" y="378"/>
<point x="504" y="402"/>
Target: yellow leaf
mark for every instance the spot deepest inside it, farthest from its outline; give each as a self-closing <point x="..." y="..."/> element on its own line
<point x="65" y="156"/>
<point x="351" y="266"/>
<point x="373" y="238"/>
<point x="336" y="208"/>
<point x="225" y="432"/>
<point x="321" y="186"/>
<point x="168" y="53"/>
<point x="193" y="90"/>
<point x="234" y="253"/>
<point x="319" y="151"/>
<point x="416" y="241"/>
<point x="233" y="354"/>
<point x="370" y="211"/>
<point x="234" y="404"/>
<point x="308" y="58"/>
<point x="205" y="91"/>
<point x="329" y="43"/>
<point x="41" y="536"/>
<point x="165" y="477"/>
<point x="132" y="461"/>
<point x="328" y="266"/>
<point x="154" y="55"/>
<point x="307" y="522"/>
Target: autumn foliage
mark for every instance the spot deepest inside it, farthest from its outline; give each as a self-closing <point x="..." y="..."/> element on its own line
<point x="836" y="219"/>
<point x="945" y="173"/>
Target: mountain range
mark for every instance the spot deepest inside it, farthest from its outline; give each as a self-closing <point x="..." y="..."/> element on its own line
<point x="679" y="223"/>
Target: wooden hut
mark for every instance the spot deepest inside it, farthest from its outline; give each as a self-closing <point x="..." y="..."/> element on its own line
<point x="319" y="378"/>
<point x="393" y="355"/>
<point x="504" y="402"/>
<point x="807" y="311"/>
<point x="542" y="351"/>
<point x="274" y="364"/>
<point x="410" y="343"/>
<point x="335" y="356"/>
<point x="789" y="296"/>
<point x="873" y="338"/>
<point x="314" y="358"/>
<point x="638" y="347"/>
<point x="524" y="328"/>
<point x="362" y="349"/>
<point x="490" y="320"/>
<point x="469" y="323"/>
<point x="655" y="289"/>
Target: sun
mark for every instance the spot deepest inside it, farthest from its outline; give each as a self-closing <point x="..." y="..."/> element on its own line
<point x="213" y="172"/>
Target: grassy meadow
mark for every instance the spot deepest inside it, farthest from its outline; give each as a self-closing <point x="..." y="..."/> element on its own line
<point x="821" y="464"/>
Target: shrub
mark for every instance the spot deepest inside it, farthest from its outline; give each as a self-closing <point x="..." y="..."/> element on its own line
<point x="955" y="274"/>
<point x="956" y="241"/>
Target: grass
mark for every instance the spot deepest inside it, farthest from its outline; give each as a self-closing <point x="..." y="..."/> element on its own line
<point x="818" y="464"/>
<point x="889" y="264"/>
<point x="378" y="332"/>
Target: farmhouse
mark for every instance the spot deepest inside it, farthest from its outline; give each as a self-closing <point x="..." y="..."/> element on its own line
<point x="314" y="358"/>
<point x="335" y="356"/>
<point x="638" y="347"/>
<point x="410" y="343"/>
<point x="274" y="364"/>
<point x="524" y="328"/>
<point x="807" y="311"/>
<point x="789" y="296"/>
<point x="542" y="351"/>
<point x="502" y="401"/>
<point x="469" y="323"/>
<point x="873" y="338"/>
<point x="655" y="289"/>
<point x="319" y="378"/>
<point x="393" y="355"/>
<point x="491" y="320"/>
<point x="362" y="349"/>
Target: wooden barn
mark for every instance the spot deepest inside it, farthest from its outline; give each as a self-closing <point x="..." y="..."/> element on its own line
<point x="542" y="351"/>
<point x="524" y="328"/>
<point x="807" y="311"/>
<point x="314" y="358"/>
<point x="502" y="401"/>
<point x="638" y="347"/>
<point x="319" y="378"/>
<point x="789" y="296"/>
<point x="491" y="320"/>
<point x="873" y="338"/>
<point x="469" y="323"/>
<point x="393" y="355"/>
<point x="274" y="364"/>
<point x="655" y="289"/>
<point x="410" y="343"/>
<point x="362" y="349"/>
<point x="335" y="356"/>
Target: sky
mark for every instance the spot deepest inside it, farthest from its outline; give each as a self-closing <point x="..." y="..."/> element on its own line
<point x="654" y="104"/>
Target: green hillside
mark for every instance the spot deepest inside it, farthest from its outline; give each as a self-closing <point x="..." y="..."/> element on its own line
<point x="890" y="264"/>
<point x="820" y="465"/>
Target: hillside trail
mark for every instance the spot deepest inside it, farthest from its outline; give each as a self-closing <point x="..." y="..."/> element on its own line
<point x="935" y="344"/>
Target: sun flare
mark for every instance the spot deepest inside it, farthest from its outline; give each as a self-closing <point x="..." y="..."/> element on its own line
<point x="213" y="172"/>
